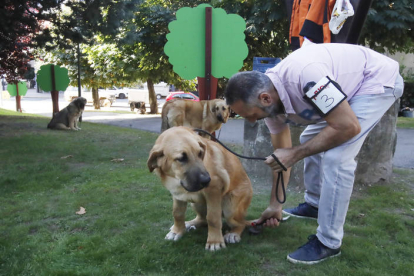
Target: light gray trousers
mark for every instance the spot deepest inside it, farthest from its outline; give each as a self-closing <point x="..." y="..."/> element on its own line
<point x="329" y="176"/>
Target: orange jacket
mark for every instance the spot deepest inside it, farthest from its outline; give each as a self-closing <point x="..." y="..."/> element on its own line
<point x="310" y="18"/>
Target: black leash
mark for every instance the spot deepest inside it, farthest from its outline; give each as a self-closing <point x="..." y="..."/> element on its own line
<point x="279" y="176"/>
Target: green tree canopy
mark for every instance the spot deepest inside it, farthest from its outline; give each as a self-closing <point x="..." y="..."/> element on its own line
<point x="44" y="78"/>
<point x="186" y="43"/>
<point x="12" y="89"/>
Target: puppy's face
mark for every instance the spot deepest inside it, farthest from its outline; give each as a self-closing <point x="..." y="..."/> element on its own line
<point x="179" y="153"/>
<point x="221" y="110"/>
<point x="80" y="102"/>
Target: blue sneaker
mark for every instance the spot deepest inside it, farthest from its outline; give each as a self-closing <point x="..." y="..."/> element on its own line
<point x="313" y="252"/>
<point x="304" y="210"/>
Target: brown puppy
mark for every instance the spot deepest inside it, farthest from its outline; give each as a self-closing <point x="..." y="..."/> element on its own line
<point x="197" y="170"/>
<point x="68" y="117"/>
<point x="207" y="115"/>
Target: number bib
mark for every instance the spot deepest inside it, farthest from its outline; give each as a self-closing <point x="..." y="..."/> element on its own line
<point x="325" y="95"/>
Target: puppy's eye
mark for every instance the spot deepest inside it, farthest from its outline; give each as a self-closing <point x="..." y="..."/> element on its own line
<point x="183" y="158"/>
<point x="200" y="154"/>
<point x="224" y="108"/>
<point x="217" y="108"/>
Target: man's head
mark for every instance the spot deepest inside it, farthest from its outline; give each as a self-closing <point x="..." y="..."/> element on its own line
<point x="252" y="95"/>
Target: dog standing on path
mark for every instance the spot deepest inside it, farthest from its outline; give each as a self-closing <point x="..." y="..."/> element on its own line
<point x="197" y="170"/>
<point x="208" y="115"/>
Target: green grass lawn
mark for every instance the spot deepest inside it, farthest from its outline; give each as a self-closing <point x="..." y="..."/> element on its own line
<point x="128" y="214"/>
<point x="405" y="122"/>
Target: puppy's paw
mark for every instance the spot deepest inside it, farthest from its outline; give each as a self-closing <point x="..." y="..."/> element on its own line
<point x="211" y="246"/>
<point x="190" y="227"/>
<point x="232" y="238"/>
<point x="171" y="236"/>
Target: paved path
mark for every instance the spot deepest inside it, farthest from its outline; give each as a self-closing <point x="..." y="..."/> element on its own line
<point x="231" y="132"/>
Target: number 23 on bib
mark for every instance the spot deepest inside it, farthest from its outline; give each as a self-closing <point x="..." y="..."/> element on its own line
<point x="325" y="95"/>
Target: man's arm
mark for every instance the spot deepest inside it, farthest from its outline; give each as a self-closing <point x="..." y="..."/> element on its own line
<point x="342" y="126"/>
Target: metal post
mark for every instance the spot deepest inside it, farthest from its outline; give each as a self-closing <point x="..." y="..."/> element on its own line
<point x="79" y="81"/>
<point x="208" y="53"/>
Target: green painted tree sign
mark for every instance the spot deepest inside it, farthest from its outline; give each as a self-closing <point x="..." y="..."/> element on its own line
<point x="21" y="86"/>
<point x="53" y="78"/>
<point x="45" y="80"/>
<point x="17" y="89"/>
<point x="186" y="43"/>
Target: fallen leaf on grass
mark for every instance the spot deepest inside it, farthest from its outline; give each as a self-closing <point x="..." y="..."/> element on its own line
<point x="361" y="215"/>
<point x="81" y="211"/>
<point x="118" y="160"/>
<point x="67" y="156"/>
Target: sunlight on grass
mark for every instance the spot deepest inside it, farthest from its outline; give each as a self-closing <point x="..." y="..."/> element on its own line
<point x="129" y="212"/>
<point x="6" y="112"/>
<point x="405" y="122"/>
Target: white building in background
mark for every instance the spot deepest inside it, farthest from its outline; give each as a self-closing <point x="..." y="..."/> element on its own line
<point x="406" y="62"/>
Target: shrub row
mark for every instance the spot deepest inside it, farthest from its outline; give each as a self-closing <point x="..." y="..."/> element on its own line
<point x="407" y="99"/>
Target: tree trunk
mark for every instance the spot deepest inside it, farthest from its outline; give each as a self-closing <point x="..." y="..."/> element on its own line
<point x="55" y="101"/>
<point x="18" y="105"/>
<point x="18" y="97"/>
<point x="207" y="95"/>
<point x="95" y="96"/>
<point x="152" y="97"/>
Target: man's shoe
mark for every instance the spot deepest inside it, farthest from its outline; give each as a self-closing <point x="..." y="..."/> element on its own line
<point x="312" y="252"/>
<point x="304" y="210"/>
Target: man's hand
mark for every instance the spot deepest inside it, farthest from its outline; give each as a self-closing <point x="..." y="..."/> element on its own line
<point x="270" y="217"/>
<point x="286" y="156"/>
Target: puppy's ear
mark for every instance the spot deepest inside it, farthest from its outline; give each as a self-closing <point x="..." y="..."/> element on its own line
<point x="213" y="106"/>
<point x="204" y="149"/>
<point x="152" y="162"/>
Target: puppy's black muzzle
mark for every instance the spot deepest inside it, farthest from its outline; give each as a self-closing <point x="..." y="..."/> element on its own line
<point x="205" y="179"/>
<point x="220" y="118"/>
<point x="195" y="180"/>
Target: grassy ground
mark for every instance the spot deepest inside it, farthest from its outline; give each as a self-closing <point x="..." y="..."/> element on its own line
<point x="128" y="213"/>
<point x="404" y="122"/>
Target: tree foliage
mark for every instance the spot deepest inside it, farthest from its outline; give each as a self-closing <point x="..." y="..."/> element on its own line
<point x="144" y="38"/>
<point x="389" y="26"/>
<point x="21" y="22"/>
<point x="133" y="34"/>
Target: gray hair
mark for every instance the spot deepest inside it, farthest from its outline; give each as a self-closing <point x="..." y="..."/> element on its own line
<point x="247" y="86"/>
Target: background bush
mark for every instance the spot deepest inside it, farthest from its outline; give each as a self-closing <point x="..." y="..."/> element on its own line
<point x="407" y="99"/>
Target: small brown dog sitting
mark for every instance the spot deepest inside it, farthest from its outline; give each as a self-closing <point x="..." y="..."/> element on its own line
<point x="197" y="170"/>
<point x="68" y="117"/>
<point x="208" y="115"/>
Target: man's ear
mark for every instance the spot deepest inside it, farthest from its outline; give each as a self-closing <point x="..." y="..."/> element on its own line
<point x="265" y="99"/>
<point x="152" y="162"/>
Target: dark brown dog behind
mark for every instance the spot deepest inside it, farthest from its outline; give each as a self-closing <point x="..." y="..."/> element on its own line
<point x="68" y="117"/>
<point x="195" y="169"/>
